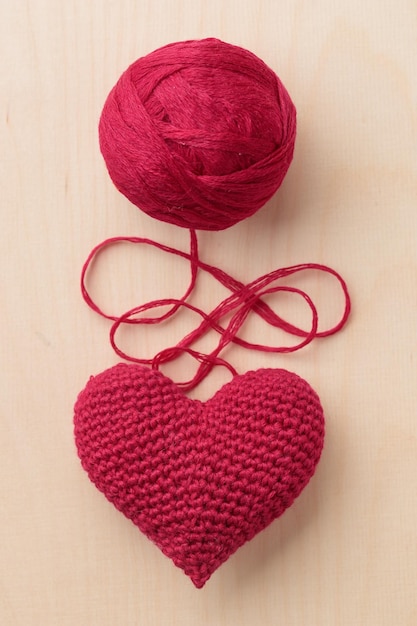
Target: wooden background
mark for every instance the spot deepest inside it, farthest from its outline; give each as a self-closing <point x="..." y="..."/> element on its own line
<point x="346" y="552"/>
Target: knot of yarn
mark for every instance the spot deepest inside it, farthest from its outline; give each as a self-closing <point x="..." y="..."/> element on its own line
<point x="198" y="133"/>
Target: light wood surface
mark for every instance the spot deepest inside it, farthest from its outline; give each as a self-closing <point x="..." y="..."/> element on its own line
<point x="346" y="552"/>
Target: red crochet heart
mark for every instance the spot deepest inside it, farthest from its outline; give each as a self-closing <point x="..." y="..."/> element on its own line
<point x="199" y="478"/>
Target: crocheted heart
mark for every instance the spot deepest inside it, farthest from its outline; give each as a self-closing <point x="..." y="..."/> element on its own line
<point x="199" y="478"/>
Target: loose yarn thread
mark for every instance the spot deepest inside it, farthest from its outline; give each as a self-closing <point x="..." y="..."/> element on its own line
<point x="243" y="300"/>
<point x="198" y="133"/>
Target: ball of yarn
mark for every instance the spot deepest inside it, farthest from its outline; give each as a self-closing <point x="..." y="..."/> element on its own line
<point x="198" y="133"/>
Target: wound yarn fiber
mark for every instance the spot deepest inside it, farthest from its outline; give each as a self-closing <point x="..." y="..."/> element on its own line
<point x="198" y="133"/>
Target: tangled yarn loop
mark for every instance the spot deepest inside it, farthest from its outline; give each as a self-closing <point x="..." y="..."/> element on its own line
<point x="244" y="299"/>
<point x="198" y="133"/>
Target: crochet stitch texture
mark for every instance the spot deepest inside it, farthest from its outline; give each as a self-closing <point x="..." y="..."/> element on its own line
<point x="199" y="478"/>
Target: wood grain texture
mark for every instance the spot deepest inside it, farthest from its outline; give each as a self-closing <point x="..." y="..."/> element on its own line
<point x="346" y="552"/>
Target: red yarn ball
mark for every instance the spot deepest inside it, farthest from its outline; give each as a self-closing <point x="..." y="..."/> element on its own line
<point x="198" y="133"/>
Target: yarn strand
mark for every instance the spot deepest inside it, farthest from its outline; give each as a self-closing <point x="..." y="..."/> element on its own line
<point x="243" y="300"/>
